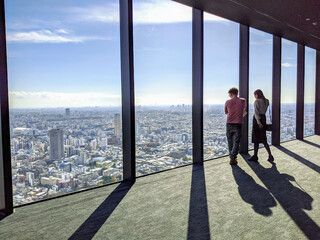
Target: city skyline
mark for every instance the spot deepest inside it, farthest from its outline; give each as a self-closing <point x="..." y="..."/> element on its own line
<point x="54" y="153"/>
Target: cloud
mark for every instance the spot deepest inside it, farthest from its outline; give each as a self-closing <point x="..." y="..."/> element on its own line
<point x="47" y="36"/>
<point x="150" y="12"/>
<point x="62" y="31"/>
<point x="22" y="99"/>
<point x="156" y="99"/>
<point x="287" y="65"/>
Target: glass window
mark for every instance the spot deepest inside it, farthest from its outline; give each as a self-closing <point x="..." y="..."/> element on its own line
<point x="65" y="96"/>
<point x="163" y="84"/>
<point x="309" y="91"/>
<point x="260" y="72"/>
<point x="288" y="90"/>
<point x="221" y="72"/>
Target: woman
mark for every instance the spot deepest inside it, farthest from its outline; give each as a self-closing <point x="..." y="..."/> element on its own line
<point x="259" y="125"/>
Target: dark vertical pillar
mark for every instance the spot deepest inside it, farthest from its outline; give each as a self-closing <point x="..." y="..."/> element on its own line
<point x="317" y="101"/>
<point x="300" y="92"/>
<point x="6" y="201"/>
<point x="244" y="81"/>
<point x="197" y="85"/>
<point x="127" y="91"/>
<point x="276" y="90"/>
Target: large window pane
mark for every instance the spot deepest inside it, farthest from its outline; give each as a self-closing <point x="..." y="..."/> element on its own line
<point x="163" y="81"/>
<point x="260" y="72"/>
<point x="288" y="90"/>
<point x="64" y="86"/>
<point x="221" y="72"/>
<point x="309" y="91"/>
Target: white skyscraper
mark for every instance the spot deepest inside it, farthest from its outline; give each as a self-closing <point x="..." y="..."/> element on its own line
<point x="56" y="144"/>
<point x="117" y="125"/>
<point x="30" y="178"/>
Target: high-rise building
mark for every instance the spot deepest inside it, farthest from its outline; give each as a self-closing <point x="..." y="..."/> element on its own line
<point x="83" y="158"/>
<point x="117" y="125"/>
<point x="94" y="144"/>
<point x="137" y="128"/>
<point x="185" y="137"/>
<point x="30" y="178"/>
<point x="67" y="112"/>
<point x="56" y="144"/>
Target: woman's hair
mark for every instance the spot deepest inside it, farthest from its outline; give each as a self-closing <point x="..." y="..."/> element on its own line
<point x="260" y="95"/>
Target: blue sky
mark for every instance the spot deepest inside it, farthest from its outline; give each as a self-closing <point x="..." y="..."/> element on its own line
<point x="67" y="54"/>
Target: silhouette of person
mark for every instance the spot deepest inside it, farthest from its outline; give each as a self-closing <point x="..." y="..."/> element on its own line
<point x="252" y="193"/>
<point x="292" y="199"/>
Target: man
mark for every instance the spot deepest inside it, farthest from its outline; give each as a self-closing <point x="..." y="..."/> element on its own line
<point x="235" y="108"/>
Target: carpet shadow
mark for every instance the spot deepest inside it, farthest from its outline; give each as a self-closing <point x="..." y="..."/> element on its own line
<point x="311" y="143"/>
<point x="299" y="158"/>
<point x="2" y="217"/>
<point x="198" y="225"/>
<point x="252" y="193"/>
<point x="294" y="200"/>
<point x="95" y="221"/>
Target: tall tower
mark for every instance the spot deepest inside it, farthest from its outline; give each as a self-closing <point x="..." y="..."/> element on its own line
<point x="30" y="178"/>
<point x="67" y="112"/>
<point x="117" y="125"/>
<point x="83" y="158"/>
<point x="56" y="144"/>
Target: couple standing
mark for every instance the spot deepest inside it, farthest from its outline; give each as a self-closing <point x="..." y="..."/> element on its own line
<point x="235" y="108"/>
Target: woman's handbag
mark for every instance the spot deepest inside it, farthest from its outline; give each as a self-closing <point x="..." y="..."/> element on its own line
<point x="269" y="125"/>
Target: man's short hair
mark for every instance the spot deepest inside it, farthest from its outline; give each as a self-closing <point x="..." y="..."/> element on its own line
<point x="233" y="91"/>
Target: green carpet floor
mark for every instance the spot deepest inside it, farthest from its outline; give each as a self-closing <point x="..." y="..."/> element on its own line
<point x="216" y="201"/>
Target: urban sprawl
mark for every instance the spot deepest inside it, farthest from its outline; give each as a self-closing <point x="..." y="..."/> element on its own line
<point x="58" y="151"/>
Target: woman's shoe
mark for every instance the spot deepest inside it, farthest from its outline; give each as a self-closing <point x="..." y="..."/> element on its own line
<point x="254" y="158"/>
<point x="271" y="159"/>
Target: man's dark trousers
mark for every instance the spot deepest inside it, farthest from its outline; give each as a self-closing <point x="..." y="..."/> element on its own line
<point x="233" y="136"/>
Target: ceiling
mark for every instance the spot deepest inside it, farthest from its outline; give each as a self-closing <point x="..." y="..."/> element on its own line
<point x="295" y="20"/>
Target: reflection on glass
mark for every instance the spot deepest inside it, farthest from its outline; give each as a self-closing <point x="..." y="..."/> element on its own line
<point x="221" y="72"/>
<point x="288" y="90"/>
<point x="260" y="73"/>
<point x="64" y="92"/>
<point x="163" y="80"/>
<point x="309" y="91"/>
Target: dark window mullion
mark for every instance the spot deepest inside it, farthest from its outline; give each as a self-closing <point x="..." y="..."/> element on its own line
<point x="6" y="200"/>
<point x="244" y="81"/>
<point x="197" y="85"/>
<point x="127" y="91"/>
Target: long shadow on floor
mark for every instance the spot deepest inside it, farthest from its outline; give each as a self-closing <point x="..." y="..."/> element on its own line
<point x="252" y="193"/>
<point x="292" y="199"/>
<point x="198" y="225"/>
<point x="311" y="143"/>
<point x="92" y="225"/>
<point x="300" y="159"/>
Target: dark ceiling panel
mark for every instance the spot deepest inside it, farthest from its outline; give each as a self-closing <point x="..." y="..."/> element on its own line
<point x="295" y="20"/>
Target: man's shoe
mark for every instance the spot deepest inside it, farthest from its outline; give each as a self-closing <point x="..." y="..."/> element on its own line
<point x="271" y="159"/>
<point x="253" y="158"/>
<point x="233" y="161"/>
